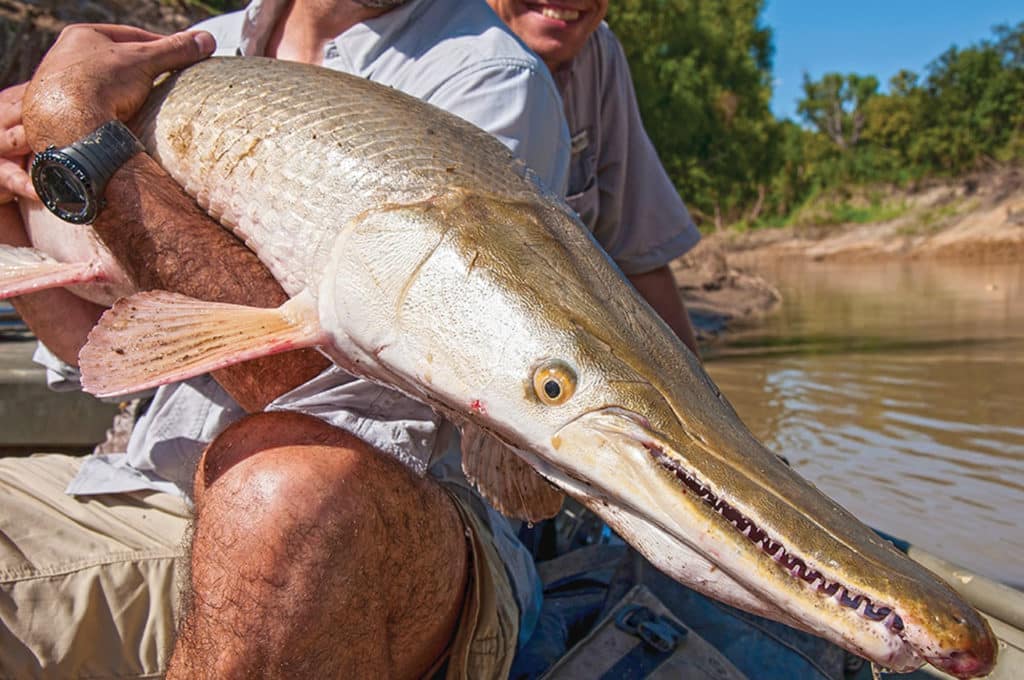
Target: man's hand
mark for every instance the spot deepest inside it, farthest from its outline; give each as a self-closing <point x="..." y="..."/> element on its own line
<point x="96" y="72"/>
<point x="14" y="150"/>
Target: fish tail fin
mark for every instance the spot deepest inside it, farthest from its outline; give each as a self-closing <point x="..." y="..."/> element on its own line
<point x="157" y="337"/>
<point x="27" y="270"/>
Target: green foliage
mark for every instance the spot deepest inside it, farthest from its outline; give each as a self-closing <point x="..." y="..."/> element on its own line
<point x="842" y="205"/>
<point x="937" y="216"/>
<point x="835" y="106"/>
<point x="702" y="70"/>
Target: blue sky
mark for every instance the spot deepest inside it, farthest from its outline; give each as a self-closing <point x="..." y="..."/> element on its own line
<point x="871" y="37"/>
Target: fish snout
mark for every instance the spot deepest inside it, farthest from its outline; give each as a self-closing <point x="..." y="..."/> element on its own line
<point x="974" y="663"/>
<point x="973" y="654"/>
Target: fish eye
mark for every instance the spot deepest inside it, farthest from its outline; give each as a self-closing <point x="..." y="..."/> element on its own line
<point x="554" y="383"/>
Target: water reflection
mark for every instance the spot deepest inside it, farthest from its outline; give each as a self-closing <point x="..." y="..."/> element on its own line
<point x="899" y="390"/>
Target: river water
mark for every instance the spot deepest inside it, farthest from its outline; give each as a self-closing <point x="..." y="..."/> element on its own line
<point x="898" y="389"/>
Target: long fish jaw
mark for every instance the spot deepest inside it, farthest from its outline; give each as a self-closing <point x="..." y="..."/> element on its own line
<point x="669" y="501"/>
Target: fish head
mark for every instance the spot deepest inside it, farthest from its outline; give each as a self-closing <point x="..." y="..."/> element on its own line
<point x="518" y="322"/>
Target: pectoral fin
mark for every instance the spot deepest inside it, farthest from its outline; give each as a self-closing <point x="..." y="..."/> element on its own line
<point x="511" y="485"/>
<point x="154" y="338"/>
<point x="27" y="270"/>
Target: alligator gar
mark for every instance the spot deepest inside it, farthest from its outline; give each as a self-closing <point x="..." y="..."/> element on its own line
<point x="419" y="254"/>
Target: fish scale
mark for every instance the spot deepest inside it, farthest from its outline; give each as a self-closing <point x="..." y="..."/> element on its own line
<point x="312" y="159"/>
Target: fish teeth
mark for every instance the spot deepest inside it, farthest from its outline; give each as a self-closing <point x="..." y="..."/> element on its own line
<point x="560" y="14"/>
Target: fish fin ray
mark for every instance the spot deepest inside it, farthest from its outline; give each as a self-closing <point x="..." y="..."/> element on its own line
<point x="157" y="337"/>
<point x="508" y="482"/>
<point x="27" y="270"/>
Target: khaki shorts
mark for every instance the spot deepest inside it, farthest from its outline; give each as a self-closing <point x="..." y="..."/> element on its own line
<point x="89" y="586"/>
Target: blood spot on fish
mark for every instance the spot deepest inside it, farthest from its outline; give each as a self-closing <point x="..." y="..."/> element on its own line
<point x="478" y="407"/>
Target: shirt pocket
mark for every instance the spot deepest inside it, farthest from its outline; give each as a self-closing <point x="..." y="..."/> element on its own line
<point x="583" y="190"/>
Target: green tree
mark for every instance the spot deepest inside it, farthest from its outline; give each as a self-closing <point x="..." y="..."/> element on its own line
<point x="891" y="123"/>
<point x="702" y="71"/>
<point x="973" y="107"/>
<point x="835" y="105"/>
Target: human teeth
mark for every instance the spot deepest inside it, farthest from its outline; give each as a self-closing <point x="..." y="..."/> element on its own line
<point x="560" y="14"/>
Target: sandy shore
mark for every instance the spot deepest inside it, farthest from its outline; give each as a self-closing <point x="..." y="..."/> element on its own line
<point x="979" y="220"/>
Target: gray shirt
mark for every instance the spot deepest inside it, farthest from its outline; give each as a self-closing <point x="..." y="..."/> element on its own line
<point x="616" y="183"/>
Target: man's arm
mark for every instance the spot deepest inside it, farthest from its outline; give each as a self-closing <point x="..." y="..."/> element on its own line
<point x="165" y="241"/>
<point x="658" y="287"/>
<point x="150" y="225"/>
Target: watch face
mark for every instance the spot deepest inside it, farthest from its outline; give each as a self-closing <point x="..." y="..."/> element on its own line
<point x="63" y="187"/>
<point x="64" y="190"/>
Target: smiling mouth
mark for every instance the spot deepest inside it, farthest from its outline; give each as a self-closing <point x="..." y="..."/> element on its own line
<point x="557" y="12"/>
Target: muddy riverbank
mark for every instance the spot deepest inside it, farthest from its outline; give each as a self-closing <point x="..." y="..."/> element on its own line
<point x="976" y="220"/>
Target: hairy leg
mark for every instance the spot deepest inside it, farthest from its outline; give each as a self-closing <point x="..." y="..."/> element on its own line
<point x="315" y="556"/>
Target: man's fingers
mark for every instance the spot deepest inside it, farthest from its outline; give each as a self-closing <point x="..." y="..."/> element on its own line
<point x="177" y="51"/>
<point x="113" y="32"/>
<point x="159" y="53"/>
<point x="14" y="181"/>
<point x="13" y="142"/>
<point x="10" y="105"/>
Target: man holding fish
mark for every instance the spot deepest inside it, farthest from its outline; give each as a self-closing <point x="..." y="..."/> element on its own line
<point x="435" y="538"/>
<point x="591" y="389"/>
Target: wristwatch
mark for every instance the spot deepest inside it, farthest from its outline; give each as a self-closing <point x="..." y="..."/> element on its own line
<point x="71" y="181"/>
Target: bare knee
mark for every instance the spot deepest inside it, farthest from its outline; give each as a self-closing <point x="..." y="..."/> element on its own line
<point x="286" y="470"/>
<point x="253" y="437"/>
<point x="302" y="525"/>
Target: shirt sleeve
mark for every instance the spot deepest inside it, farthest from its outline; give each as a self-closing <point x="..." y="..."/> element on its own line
<point x="60" y="377"/>
<point x="521" y="107"/>
<point x="642" y="222"/>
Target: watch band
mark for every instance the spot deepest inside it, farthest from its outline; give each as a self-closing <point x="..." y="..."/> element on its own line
<point x="103" y="151"/>
<point x="89" y="162"/>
